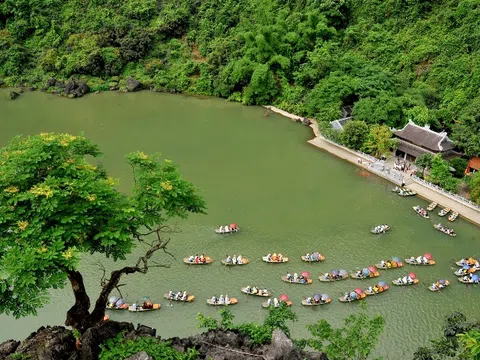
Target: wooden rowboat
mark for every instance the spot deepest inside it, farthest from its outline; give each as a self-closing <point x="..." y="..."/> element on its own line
<point x="320" y="258"/>
<point x="385" y="267"/>
<point x="258" y="293"/>
<point x="400" y="283"/>
<point x="190" y="298"/>
<point x="431" y="288"/>
<point x="453" y="216"/>
<point x="266" y="306"/>
<point x="432" y="206"/>
<point x="233" y="301"/>
<point x="361" y="297"/>
<point x="113" y="307"/>
<point x="445" y="230"/>
<point x="444" y="211"/>
<point x="363" y="277"/>
<point x="208" y="260"/>
<point x="469" y="281"/>
<point x="460" y="263"/>
<point x="384" y="288"/>
<point x="284" y="260"/>
<point x="414" y="262"/>
<point x="305" y="303"/>
<point x="244" y="262"/>
<point x="140" y="309"/>
<point x="322" y="278"/>
<point x="423" y="213"/>
<point x="307" y="281"/>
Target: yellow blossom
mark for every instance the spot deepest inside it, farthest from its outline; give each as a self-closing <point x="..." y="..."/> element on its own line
<point x="111" y="181"/>
<point x="22" y="225"/>
<point x="43" y="249"/>
<point x="11" y="189"/>
<point x="166" y="185"/>
<point x="90" y="167"/>
<point x="64" y="142"/>
<point x="142" y="155"/>
<point x="44" y="190"/>
<point x="92" y="197"/>
<point x="67" y="254"/>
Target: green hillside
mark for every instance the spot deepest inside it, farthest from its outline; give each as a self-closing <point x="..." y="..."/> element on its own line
<point x="393" y="59"/>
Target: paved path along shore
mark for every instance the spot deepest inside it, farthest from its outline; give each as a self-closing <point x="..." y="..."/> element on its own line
<point x="469" y="213"/>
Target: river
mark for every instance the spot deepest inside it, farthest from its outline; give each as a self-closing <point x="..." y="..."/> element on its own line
<point x="286" y="195"/>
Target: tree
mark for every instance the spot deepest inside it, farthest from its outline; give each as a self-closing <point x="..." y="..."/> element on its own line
<point x="440" y="174"/>
<point x="471" y="344"/>
<point x="379" y="141"/>
<point x="354" y="134"/>
<point x="474" y="184"/>
<point x="424" y="161"/>
<point x="54" y="206"/>
<point x="354" y="341"/>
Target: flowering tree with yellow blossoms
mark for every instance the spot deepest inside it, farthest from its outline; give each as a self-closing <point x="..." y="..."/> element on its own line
<point x="55" y="205"/>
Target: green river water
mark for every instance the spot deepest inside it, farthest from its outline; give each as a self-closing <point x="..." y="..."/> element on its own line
<point x="286" y="195"/>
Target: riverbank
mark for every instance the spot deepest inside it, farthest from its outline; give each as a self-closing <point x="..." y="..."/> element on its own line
<point x="425" y="191"/>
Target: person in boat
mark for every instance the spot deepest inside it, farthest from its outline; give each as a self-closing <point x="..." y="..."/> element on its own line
<point x="228" y="260"/>
<point x="274" y="257"/>
<point x="227" y="300"/>
<point x="424" y="260"/>
<point x="221" y="300"/>
<point x="435" y="286"/>
<point x="264" y="291"/>
<point x="326" y="276"/>
<point x="289" y="277"/>
<point x="358" y="273"/>
<point x="227" y="229"/>
<point x="389" y="264"/>
<point x="269" y="257"/>
<point x="375" y="288"/>
<point x="295" y="277"/>
<point x="307" y="257"/>
<point x="346" y="296"/>
<point x="214" y="299"/>
<point x="309" y="300"/>
<point x="191" y="258"/>
<point x="383" y="263"/>
<point x="404" y="280"/>
<point x="269" y="302"/>
<point x="280" y="257"/>
<point x="248" y="289"/>
<point x="419" y="260"/>
<point x="239" y="259"/>
<point x="184" y="296"/>
<point x="170" y="294"/>
<point x="409" y="280"/>
<point x="234" y="260"/>
<point x="370" y="289"/>
<point x="276" y="303"/>
<point x="134" y="306"/>
<point x="197" y="259"/>
<point x="254" y="290"/>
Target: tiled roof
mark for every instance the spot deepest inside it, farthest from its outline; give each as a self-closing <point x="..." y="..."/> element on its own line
<point x="424" y="137"/>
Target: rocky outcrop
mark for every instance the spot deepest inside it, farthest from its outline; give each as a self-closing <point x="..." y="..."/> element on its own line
<point x="75" y="88"/>
<point x="12" y="95"/>
<point x="133" y="85"/>
<point x="58" y="343"/>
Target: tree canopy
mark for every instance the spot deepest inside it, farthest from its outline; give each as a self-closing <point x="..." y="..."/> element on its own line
<point x="393" y="60"/>
<point x="55" y="205"/>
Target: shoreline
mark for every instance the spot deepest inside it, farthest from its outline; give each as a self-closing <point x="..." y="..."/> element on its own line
<point x="364" y="161"/>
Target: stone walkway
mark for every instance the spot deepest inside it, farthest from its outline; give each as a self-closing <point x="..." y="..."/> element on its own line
<point x="468" y="213"/>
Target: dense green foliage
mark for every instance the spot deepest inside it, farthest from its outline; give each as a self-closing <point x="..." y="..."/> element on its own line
<point x="258" y="333"/>
<point x="55" y="205"/>
<point x="440" y="174"/>
<point x="394" y="60"/>
<point x="460" y="340"/>
<point x="119" y="348"/>
<point x="356" y="340"/>
<point x="354" y="134"/>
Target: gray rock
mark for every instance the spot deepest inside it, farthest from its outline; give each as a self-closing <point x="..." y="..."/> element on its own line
<point x="113" y="86"/>
<point x="133" y="85"/>
<point x="306" y="121"/>
<point x="12" y="95"/>
<point x="75" y="88"/>
<point x="140" y="356"/>
<point x="50" y="343"/>
<point x="51" y="82"/>
<point x="281" y="348"/>
<point x="97" y="335"/>
<point x="8" y="347"/>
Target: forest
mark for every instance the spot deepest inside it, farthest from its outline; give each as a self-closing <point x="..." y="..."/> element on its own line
<point x="393" y="60"/>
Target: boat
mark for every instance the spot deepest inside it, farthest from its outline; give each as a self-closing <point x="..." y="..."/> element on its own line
<point x="406" y="192"/>
<point x="260" y="292"/>
<point x="314" y="257"/>
<point x="334" y="275"/>
<point x="414" y="262"/>
<point x="439" y="285"/>
<point x="422" y="212"/>
<point x="353" y="296"/>
<point x="396" y="189"/>
<point x="190" y="298"/>
<point x="245" y="261"/>
<point x="266" y="259"/>
<point x="471" y="280"/>
<point x="445" y="230"/>
<point x="432" y="206"/>
<point x="265" y="304"/>
<point x="400" y="283"/>
<point x="380" y="229"/>
<point x="377" y="289"/>
<point x="470" y="261"/>
<point x="115" y="303"/>
<point x="233" y="301"/>
<point x="141" y="309"/>
<point x="444" y="212"/>
<point x="317" y="299"/>
<point x="233" y="228"/>
<point x="361" y="276"/>
<point x="208" y="260"/>
<point x="453" y="216"/>
<point x="114" y="307"/>
<point x="299" y="281"/>
<point x="393" y="263"/>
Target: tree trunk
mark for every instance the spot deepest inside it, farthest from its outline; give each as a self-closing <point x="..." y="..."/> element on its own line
<point x="79" y="314"/>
